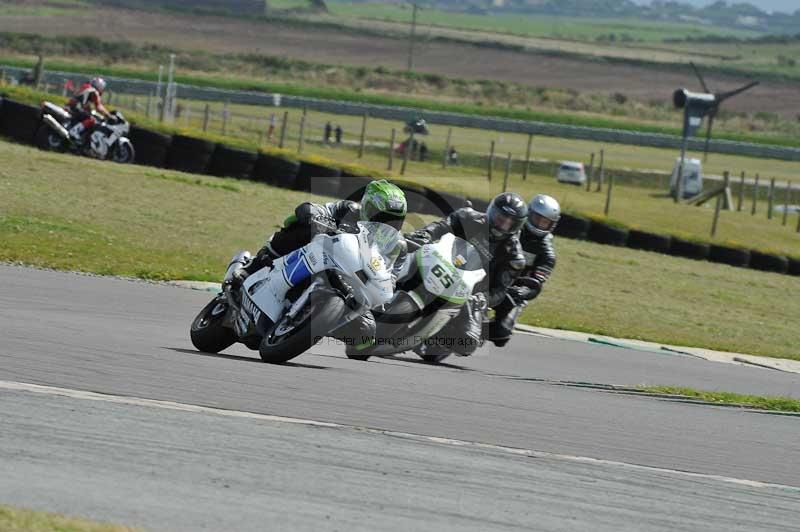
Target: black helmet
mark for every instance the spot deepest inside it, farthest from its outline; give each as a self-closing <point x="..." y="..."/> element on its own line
<point x="506" y="215"/>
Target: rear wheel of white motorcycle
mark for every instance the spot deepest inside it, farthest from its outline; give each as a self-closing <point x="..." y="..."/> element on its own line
<point x="288" y="339"/>
<point x="207" y="332"/>
<point x="47" y="139"/>
<point x="123" y="153"/>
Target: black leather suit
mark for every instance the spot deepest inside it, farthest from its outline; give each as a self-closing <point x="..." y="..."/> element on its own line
<point x="540" y="261"/>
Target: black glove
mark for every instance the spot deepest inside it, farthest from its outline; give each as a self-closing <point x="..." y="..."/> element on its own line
<point x="321" y="225"/>
<point x="417" y="239"/>
<point x="525" y="289"/>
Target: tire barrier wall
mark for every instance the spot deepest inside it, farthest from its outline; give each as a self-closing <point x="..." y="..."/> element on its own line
<point x="232" y="162"/>
<point x="20" y="121"/>
<point x="157" y="149"/>
<point x="189" y="154"/>
<point x="152" y="148"/>
<point x="606" y="135"/>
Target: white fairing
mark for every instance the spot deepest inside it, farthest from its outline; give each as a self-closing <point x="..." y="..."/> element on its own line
<point x="347" y="253"/>
<point x="443" y="278"/>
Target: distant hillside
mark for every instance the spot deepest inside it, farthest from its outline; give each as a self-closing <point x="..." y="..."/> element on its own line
<point x="733" y="14"/>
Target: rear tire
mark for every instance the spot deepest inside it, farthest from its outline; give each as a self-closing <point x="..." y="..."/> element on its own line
<point x="323" y="313"/>
<point x="48" y="140"/>
<point x="207" y="332"/>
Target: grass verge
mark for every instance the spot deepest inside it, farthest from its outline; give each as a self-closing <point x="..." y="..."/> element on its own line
<point x="777" y="404"/>
<point x="20" y="520"/>
<point x="70" y="213"/>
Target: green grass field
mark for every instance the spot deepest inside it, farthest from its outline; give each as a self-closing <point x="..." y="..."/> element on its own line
<point x="644" y="207"/>
<point x="22" y="520"/>
<point x="573" y="28"/>
<point x="159" y="224"/>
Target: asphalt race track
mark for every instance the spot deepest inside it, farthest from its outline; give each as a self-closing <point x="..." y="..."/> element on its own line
<point x="501" y="441"/>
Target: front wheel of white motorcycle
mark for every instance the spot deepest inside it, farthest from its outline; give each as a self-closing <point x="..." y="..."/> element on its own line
<point x="290" y="338"/>
<point x="123" y="153"/>
<point x="208" y="332"/>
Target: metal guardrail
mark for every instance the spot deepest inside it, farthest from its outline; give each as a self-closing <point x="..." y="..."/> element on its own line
<point x="616" y="136"/>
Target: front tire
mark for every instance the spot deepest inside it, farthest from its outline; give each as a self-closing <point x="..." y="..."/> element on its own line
<point x="207" y="332"/>
<point x="285" y="341"/>
<point x="123" y="153"/>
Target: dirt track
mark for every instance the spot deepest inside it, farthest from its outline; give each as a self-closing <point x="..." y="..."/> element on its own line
<point x="450" y="59"/>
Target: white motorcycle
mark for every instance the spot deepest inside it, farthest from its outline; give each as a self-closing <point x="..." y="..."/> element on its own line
<point x="285" y="309"/>
<point x="433" y="285"/>
<point x="108" y="141"/>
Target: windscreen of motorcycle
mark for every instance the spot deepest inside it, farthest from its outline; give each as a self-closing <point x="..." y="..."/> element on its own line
<point x="380" y="247"/>
<point x="450" y="268"/>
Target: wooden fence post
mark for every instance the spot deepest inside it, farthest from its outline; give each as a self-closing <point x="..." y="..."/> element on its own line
<point x="391" y="149"/>
<point x="602" y="175"/>
<point x="225" y="115"/>
<point x="284" y="125"/>
<point x="771" y="198"/>
<point x="363" y="135"/>
<point x="446" y="155"/>
<point x="786" y="203"/>
<point x="798" y="221"/>
<point x="755" y="196"/>
<point x="407" y="153"/>
<point x="508" y="171"/>
<point x="491" y="162"/>
<point x="525" y="169"/>
<point x="301" y="140"/>
<point x="206" y="117"/>
<point x="741" y="194"/>
<point x="719" y="204"/>
<point x="608" y="193"/>
<point x="589" y="174"/>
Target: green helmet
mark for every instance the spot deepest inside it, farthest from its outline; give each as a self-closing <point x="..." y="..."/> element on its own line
<point x="384" y="202"/>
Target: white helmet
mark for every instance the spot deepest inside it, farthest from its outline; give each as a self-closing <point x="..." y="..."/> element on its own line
<point x="99" y="84"/>
<point x="544" y="213"/>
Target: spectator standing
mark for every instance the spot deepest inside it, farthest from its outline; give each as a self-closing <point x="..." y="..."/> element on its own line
<point x="271" y="130"/>
<point x="423" y="151"/>
<point x="328" y="129"/>
<point x="338" y="134"/>
<point x="452" y="156"/>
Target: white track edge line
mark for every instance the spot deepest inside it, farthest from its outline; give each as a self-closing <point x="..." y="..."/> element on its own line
<point x="184" y="407"/>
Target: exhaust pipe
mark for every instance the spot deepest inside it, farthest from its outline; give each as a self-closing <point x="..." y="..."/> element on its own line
<point x="55" y="110"/>
<point x="55" y="126"/>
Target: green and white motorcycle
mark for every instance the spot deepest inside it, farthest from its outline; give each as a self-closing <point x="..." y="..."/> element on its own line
<point x="433" y="284"/>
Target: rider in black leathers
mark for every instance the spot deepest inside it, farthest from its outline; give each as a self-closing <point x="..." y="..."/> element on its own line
<point x="536" y="237"/>
<point x="494" y="235"/>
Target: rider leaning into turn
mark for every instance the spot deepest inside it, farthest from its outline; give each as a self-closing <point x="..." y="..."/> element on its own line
<point x="536" y="237"/>
<point x="382" y="202"/>
<point x="494" y="235"/>
<point x="80" y="105"/>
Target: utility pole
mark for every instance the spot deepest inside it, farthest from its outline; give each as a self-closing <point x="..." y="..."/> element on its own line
<point x="412" y="36"/>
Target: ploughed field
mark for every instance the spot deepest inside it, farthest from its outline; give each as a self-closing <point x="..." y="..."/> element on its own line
<point x="335" y="46"/>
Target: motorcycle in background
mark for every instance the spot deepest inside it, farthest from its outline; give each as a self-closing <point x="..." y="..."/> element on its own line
<point x="107" y="141"/>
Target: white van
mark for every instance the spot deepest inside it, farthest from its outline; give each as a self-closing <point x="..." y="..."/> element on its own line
<point x="692" y="178"/>
<point x="571" y="172"/>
